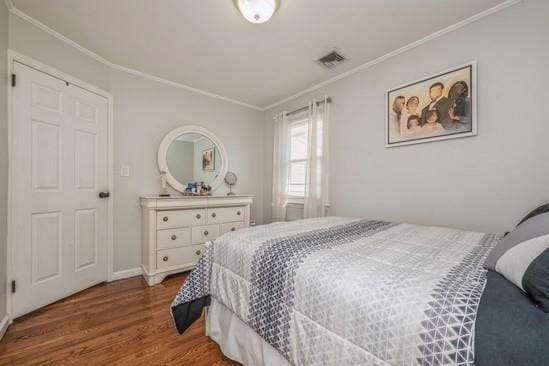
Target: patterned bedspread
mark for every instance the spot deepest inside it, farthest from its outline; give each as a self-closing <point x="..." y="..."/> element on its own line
<point x="339" y="291"/>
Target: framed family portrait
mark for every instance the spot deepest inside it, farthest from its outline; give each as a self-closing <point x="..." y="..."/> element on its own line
<point x="208" y="160"/>
<point x="434" y="108"/>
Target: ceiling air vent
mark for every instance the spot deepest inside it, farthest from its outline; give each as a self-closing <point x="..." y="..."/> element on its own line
<point x="331" y="60"/>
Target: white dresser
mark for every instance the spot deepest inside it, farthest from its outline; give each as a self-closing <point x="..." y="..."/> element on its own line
<point x="176" y="228"/>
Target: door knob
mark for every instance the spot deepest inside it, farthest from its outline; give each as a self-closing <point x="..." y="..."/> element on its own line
<point x="104" y="194"/>
<point x="206" y="232"/>
<point x="165" y="259"/>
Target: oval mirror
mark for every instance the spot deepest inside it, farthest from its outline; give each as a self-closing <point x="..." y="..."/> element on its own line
<point x="190" y="154"/>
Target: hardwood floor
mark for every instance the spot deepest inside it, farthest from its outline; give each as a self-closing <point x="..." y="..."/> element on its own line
<point x="119" y="323"/>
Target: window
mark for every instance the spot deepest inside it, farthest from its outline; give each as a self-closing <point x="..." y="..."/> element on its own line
<point x="298" y="158"/>
<point x="300" y="164"/>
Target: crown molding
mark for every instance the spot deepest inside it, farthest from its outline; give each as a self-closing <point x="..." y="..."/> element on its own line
<point x="183" y="86"/>
<point x="114" y="66"/>
<point x="347" y="73"/>
<point x="397" y="52"/>
<point x="9" y="4"/>
<point x="59" y="36"/>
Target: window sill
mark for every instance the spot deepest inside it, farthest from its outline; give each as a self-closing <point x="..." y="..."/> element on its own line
<point x="299" y="202"/>
<point x="295" y="202"/>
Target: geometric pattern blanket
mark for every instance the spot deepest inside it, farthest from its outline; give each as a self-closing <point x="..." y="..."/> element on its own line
<point x="340" y="291"/>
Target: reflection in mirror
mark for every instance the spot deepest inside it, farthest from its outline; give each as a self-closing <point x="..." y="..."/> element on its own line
<point x="193" y="157"/>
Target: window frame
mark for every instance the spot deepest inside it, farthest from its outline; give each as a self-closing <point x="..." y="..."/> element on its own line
<point x="299" y="121"/>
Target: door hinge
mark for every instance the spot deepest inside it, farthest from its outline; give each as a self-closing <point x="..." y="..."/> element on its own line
<point x="12" y="286"/>
<point x="13" y="80"/>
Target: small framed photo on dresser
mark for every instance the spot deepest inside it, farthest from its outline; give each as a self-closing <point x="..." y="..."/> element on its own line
<point x="438" y="107"/>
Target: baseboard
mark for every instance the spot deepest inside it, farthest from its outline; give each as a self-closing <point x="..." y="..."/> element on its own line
<point x="127" y="273"/>
<point x="4" y="324"/>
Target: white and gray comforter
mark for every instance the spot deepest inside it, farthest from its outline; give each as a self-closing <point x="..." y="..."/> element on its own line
<point x="339" y="291"/>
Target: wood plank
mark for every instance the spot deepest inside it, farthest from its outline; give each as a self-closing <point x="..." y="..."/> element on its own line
<point x="119" y="323"/>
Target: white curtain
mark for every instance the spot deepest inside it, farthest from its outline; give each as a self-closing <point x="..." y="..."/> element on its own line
<point x="281" y="166"/>
<point x="316" y="178"/>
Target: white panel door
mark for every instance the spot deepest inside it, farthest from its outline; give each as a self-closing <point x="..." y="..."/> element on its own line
<point x="59" y="223"/>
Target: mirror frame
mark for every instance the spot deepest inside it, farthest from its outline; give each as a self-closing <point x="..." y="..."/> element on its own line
<point x="175" y="133"/>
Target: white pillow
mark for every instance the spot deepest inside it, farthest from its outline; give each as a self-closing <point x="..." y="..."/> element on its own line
<point x="514" y="262"/>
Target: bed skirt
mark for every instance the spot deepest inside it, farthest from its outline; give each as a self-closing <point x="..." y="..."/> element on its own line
<point x="237" y="340"/>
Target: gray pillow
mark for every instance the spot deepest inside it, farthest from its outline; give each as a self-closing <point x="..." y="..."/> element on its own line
<point x="527" y="266"/>
<point x="531" y="228"/>
<point x="538" y="211"/>
<point x="536" y="281"/>
<point x="509" y="329"/>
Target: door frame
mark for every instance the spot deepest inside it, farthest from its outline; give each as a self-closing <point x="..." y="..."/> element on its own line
<point x="14" y="56"/>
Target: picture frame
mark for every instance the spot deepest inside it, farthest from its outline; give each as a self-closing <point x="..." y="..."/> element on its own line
<point x="434" y="108"/>
<point x="208" y="160"/>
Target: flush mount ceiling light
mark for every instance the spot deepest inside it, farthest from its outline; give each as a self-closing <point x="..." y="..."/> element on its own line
<point x="257" y="11"/>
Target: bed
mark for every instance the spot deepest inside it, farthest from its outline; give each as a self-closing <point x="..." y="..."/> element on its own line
<point x="340" y="291"/>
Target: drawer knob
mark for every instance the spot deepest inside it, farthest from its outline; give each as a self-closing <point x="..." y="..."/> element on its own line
<point x="206" y="232"/>
<point x="165" y="259"/>
<point x="198" y="252"/>
<point x="165" y="218"/>
<point x="198" y="216"/>
<point x="174" y="237"/>
<point x="233" y="229"/>
<point x="238" y="213"/>
<point x="213" y="214"/>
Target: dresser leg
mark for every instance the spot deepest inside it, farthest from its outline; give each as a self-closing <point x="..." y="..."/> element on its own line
<point x="154" y="279"/>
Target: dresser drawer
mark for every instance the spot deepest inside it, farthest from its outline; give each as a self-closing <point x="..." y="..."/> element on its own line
<point x="202" y="234"/>
<point x="173" y="238"/>
<point x="231" y="226"/>
<point x="225" y="214"/>
<point x="171" y="219"/>
<point x="187" y="256"/>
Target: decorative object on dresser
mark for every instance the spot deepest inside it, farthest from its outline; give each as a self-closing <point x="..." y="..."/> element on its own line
<point x="175" y="229"/>
<point x="230" y="180"/>
<point x="163" y="185"/>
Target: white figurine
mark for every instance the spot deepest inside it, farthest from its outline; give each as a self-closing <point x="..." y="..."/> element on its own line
<point x="163" y="185"/>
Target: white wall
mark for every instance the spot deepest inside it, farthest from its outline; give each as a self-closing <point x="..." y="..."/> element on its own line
<point x="144" y="112"/>
<point x="484" y="183"/>
<point x="3" y="153"/>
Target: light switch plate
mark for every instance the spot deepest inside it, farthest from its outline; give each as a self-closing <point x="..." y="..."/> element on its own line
<point x="125" y="171"/>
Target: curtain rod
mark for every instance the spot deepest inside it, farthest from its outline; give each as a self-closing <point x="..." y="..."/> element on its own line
<point x="328" y="100"/>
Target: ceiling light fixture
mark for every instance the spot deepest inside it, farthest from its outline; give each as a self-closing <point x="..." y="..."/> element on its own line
<point x="257" y="11"/>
